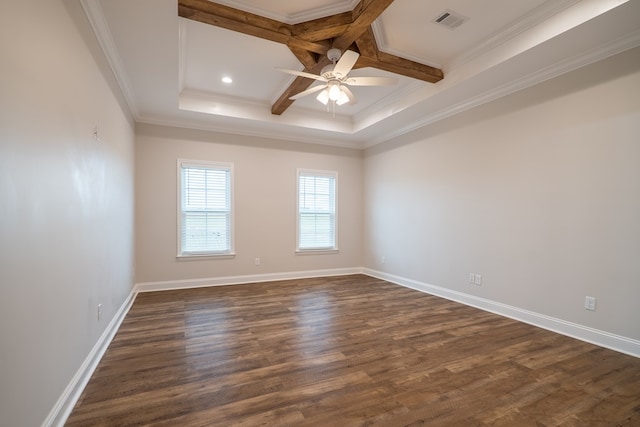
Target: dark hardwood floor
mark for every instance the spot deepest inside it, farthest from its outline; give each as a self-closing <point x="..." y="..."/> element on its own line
<point x="347" y="351"/>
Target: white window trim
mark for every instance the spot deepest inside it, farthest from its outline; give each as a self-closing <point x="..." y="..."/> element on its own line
<point x="317" y="251"/>
<point x="205" y="255"/>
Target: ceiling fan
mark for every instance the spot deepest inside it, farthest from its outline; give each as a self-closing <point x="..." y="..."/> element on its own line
<point x="336" y="79"/>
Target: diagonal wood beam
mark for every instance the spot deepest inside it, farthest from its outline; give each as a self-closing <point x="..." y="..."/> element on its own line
<point x="404" y="67"/>
<point x="234" y="19"/>
<point x="309" y="41"/>
<point x="367" y="44"/>
<point x="247" y="23"/>
<point x="371" y="56"/>
<point x="323" y="28"/>
<point x="363" y="16"/>
<point x="306" y="58"/>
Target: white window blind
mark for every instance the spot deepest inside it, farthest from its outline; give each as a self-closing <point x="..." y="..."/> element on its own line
<point x="205" y="217"/>
<point x="316" y="210"/>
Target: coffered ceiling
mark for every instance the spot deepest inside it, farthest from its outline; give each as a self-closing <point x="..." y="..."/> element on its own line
<point x="170" y="67"/>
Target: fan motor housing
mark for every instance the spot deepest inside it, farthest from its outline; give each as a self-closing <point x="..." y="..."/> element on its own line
<point x="334" y="54"/>
<point x="327" y="72"/>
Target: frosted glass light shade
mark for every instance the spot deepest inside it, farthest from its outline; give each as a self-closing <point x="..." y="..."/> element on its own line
<point x="323" y="97"/>
<point x="343" y="98"/>
<point x="334" y="92"/>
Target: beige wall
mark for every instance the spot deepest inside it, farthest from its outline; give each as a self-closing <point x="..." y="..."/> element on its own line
<point x="538" y="192"/>
<point x="264" y="199"/>
<point x="66" y="204"/>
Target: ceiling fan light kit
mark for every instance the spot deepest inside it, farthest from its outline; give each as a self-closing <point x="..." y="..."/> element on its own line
<point x="323" y="97"/>
<point x="343" y="99"/>
<point x="334" y="90"/>
<point x="336" y="79"/>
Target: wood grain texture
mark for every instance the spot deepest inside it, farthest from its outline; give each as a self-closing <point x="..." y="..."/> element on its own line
<point x="347" y="351"/>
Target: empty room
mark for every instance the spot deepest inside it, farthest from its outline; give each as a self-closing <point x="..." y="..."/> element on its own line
<point x="320" y="213"/>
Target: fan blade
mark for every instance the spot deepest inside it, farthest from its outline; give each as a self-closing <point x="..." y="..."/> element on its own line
<point x="350" y="95"/>
<point x="371" y="81"/>
<point x="346" y="63"/>
<point x="309" y="91"/>
<point x="302" y="74"/>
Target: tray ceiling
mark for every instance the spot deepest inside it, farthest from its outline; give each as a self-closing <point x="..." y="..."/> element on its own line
<point x="170" y="68"/>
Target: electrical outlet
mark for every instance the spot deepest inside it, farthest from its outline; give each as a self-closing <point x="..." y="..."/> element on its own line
<point x="472" y="278"/>
<point x="99" y="311"/>
<point x="257" y="261"/>
<point x="590" y="303"/>
<point x="382" y="259"/>
<point x="477" y="280"/>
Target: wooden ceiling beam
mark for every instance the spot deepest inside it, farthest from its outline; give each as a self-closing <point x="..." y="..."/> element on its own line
<point x="309" y="41"/>
<point x="235" y="20"/>
<point x="402" y="66"/>
<point x="323" y="28"/>
<point x="247" y="23"/>
<point x="320" y="47"/>
<point x="306" y="58"/>
<point x="371" y="56"/>
<point x="364" y="14"/>
<point x="367" y="44"/>
<point x="398" y="65"/>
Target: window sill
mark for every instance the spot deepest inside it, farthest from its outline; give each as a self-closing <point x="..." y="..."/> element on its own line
<point x="316" y="251"/>
<point x="193" y="257"/>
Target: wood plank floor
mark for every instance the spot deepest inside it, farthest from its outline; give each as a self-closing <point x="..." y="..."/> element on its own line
<point x="347" y="351"/>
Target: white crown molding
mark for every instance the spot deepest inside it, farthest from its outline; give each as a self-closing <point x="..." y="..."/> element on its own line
<point x="528" y="21"/>
<point x="96" y="18"/>
<point x="385" y="107"/>
<point x="294" y="18"/>
<point x="584" y="333"/>
<point x="245" y="109"/>
<point x="570" y="64"/>
<point x="65" y="404"/>
<point x="207" y="126"/>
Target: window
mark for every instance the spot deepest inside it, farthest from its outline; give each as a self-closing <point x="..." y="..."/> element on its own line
<point x="205" y="209"/>
<point x="316" y="210"/>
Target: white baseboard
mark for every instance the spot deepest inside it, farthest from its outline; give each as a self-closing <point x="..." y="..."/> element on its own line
<point x="238" y="280"/>
<point x="63" y="407"/>
<point x="584" y="333"/>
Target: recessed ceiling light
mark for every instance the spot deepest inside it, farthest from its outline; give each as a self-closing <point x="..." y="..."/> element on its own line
<point x="227" y="79"/>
